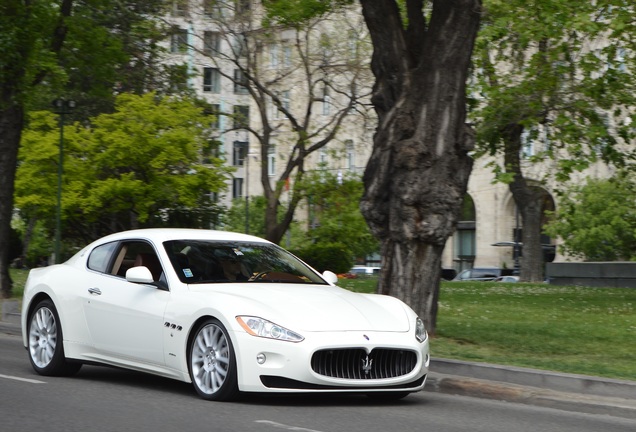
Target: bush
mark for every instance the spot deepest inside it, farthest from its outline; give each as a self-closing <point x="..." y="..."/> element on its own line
<point x="335" y="257"/>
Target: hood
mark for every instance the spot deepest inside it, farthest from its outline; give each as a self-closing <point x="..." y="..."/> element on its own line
<point x="314" y="307"/>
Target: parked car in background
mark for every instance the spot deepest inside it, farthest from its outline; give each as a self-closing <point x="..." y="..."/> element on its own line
<point x="482" y="274"/>
<point x="508" y="279"/>
<point x="364" y="270"/>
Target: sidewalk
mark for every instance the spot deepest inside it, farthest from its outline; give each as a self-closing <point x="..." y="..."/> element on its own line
<point x="569" y="392"/>
<point x="578" y="393"/>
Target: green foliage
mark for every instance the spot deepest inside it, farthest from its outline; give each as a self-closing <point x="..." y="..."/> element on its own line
<point x="597" y="220"/>
<point x="561" y="70"/>
<point x="334" y="212"/>
<point x="139" y="166"/>
<point x="296" y="12"/>
<point x="234" y="218"/>
<point x="37" y="240"/>
<point x="26" y="38"/>
<point x="86" y="50"/>
<point x="335" y="257"/>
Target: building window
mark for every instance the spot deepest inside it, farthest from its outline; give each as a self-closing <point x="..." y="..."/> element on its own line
<point x="326" y="102"/>
<point x="351" y="155"/>
<point x="178" y="40"/>
<point x="273" y="55"/>
<point x="211" y="80"/>
<point x="211" y="43"/>
<point x="214" y="113"/>
<point x="239" y="46"/>
<point x="274" y="112"/>
<point x="240" y="82"/>
<point x="287" y="55"/>
<point x="271" y="161"/>
<point x="237" y="188"/>
<point x="239" y="152"/>
<point x="212" y="9"/>
<point x="180" y="8"/>
<point x="285" y="99"/>
<point x="352" y="43"/>
<point x="323" y="157"/>
<point x="241" y="116"/>
<point x="242" y="6"/>
<point x="210" y="151"/>
<point x="465" y="236"/>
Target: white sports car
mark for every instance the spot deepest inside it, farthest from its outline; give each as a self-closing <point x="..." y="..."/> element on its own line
<point x="228" y="312"/>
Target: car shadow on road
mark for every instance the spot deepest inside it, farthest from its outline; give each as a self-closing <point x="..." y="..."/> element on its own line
<point x="117" y="376"/>
<point x="124" y="377"/>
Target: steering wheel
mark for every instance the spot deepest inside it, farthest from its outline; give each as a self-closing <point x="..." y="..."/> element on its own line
<point x="259" y="275"/>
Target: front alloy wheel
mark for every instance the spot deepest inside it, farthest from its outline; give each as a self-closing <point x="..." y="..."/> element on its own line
<point x="46" y="351"/>
<point x="212" y="362"/>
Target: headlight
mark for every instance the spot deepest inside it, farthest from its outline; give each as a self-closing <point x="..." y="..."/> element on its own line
<point x="261" y="327"/>
<point x="420" y="331"/>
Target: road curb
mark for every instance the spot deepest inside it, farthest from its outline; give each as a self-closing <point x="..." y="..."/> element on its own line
<point x="549" y="380"/>
<point x="591" y="404"/>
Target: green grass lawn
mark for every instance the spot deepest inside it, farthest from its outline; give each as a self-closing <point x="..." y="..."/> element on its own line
<point x="589" y="331"/>
<point x="19" y="278"/>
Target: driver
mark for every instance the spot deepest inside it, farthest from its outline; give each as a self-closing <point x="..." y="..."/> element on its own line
<point x="233" y="269"/>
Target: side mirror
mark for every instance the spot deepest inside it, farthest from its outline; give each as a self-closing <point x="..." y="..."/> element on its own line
<point x="139" y="274"/>
<point x="330" y="277"/>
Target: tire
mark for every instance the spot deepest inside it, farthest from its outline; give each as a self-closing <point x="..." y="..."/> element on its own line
<point x="45" y="342"/>
<point x="212" y="362"/>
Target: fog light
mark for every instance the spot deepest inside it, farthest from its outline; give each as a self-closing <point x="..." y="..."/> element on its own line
<point x="260" y="358"/>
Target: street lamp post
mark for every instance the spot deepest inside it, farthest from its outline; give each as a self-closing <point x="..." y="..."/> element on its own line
<point x="247" y="191"/>
<point x="247" y="181"/>
<point x="62" y="107"/>
<point x="517" y="246"/>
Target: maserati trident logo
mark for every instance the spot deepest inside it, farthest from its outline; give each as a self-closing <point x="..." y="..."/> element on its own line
<point x="367" y="364"/>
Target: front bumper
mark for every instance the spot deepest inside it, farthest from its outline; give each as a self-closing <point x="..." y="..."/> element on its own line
<point x="287" y="366"/>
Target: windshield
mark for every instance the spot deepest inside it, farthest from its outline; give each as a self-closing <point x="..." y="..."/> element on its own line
<point x="200" y="261"/>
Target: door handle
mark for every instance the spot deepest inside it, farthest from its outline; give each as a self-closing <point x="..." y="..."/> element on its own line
<point x="95" y="291"/>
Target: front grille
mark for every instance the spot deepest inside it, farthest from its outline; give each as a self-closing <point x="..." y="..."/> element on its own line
<point x="354" y="363"/>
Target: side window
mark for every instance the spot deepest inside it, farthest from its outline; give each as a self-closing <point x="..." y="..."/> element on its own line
<point x="137" y="253"/>
<point x="101" y="256"/>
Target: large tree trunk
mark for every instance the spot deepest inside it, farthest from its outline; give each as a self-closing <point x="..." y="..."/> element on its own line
<point x="418" y="172"/>
<point x="11" y="122"/>
<point x="530" y="201"/>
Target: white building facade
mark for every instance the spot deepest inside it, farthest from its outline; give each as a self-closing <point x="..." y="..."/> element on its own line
<point x="210" y="37"/>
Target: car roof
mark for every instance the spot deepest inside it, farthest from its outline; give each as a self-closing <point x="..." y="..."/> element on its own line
<point x="165" y="234"/>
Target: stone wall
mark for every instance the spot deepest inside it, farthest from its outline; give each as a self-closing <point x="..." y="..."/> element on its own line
<point x="594" y="274"/>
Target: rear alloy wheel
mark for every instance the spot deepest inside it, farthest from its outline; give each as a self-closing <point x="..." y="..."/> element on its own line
<point x="46" y="350"/>
<point x="212" y="362"/>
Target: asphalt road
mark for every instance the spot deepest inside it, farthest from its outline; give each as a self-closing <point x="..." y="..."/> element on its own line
<point x="105" y="399"/>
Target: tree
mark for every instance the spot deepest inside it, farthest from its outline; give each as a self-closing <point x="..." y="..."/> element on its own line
<point x="44" y="44"/>
<point x="140" y="166"/>
<point x="597" y="220"/>
<point x="304" y="80"/>
<point x="417" y="175"/>
<point x="554" y="84"/>
<point x="234" y="218"/>
<point x="333" y="202"/>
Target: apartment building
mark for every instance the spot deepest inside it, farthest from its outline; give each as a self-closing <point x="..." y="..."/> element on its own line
<point x="267" y="87"/>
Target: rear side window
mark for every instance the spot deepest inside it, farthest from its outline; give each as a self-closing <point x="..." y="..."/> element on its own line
<point x="100" y="257"/>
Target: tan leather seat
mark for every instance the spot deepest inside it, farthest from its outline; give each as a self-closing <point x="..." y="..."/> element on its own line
<point x="151" y="262"/>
